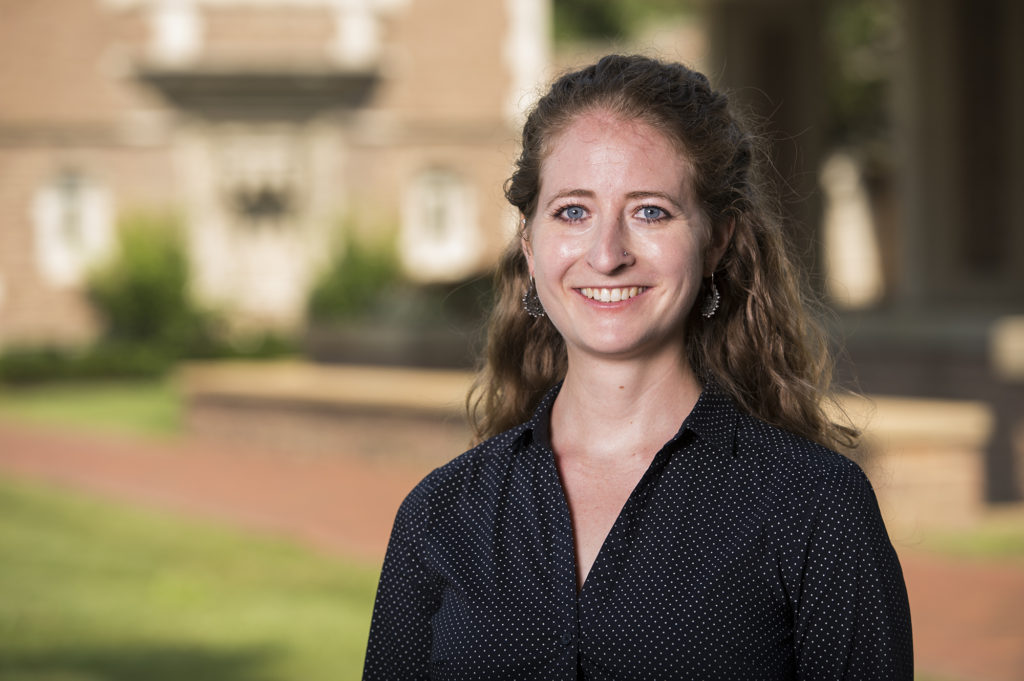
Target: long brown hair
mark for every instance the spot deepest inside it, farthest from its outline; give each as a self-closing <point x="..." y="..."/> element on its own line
<point x="762" y="347"/>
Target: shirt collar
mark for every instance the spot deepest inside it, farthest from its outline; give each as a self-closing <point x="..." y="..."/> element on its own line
<point x="713" y="418"/>
<point x="538" y="428"/>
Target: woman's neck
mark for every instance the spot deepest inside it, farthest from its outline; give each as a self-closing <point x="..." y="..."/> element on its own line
<point x="607" y="409"/>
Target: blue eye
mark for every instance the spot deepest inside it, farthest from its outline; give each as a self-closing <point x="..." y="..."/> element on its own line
<point x="572" y="213"/>
<point x="652" y="213"/>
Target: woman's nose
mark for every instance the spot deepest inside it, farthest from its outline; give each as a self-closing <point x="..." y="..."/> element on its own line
<point x="609" y="251"/>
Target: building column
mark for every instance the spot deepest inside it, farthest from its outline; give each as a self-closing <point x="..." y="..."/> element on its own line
<point x="768" y="54"/>
<point x="960" y="121"/>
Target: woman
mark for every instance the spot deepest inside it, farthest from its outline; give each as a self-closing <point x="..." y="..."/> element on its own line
<point x="655" y="496"/>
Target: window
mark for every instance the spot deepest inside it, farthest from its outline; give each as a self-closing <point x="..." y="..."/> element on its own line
<point x="439" y="240"/>
<point x="73" y="227"/>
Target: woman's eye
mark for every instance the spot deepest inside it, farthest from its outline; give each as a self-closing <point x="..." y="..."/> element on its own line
<point x="573" y="213"/>
<point x="652" y="213"/>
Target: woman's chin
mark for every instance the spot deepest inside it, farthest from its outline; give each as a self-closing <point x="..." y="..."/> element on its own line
<point x="628" y="349"/>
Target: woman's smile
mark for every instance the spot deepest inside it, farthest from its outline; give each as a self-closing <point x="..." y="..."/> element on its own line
<point x="611" y="295"/>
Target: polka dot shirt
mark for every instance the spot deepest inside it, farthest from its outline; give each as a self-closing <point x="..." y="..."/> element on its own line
<point x="744" y="552"/>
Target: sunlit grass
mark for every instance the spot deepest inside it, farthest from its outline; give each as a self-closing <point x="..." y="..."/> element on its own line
<point x="94" y="590"/>
<point x="144" y="407"/>
<point x="997" y="536"/>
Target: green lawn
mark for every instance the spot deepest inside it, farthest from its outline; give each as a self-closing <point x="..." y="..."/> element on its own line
<point x="142" y="407"/>
<point x="995" y="537"/>
<point x="92" y="591"/>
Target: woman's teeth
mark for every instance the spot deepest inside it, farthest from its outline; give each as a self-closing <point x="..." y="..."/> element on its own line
<point x="612" y="295"/>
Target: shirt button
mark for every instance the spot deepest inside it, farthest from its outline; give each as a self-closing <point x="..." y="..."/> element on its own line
<point x="567" y="638"/>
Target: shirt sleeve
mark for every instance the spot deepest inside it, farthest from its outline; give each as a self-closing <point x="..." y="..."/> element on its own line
<point x="852" y="617"/>
<point x="407" y="597"/>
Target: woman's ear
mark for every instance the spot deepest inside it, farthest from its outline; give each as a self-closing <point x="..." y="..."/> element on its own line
<point x="720" y="238"/>
<point x="524" y="243"/>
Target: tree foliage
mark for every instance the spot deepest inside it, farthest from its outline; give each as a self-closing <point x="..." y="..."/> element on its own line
<point x="593" y="20"/>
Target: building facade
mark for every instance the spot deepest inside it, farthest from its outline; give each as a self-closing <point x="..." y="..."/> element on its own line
<point x="269" y="127"/>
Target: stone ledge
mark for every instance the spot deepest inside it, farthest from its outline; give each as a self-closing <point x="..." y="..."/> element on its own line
<point x="925" y="457"/>
<point x="361" y="388"/>
<point x="962" y="423"/>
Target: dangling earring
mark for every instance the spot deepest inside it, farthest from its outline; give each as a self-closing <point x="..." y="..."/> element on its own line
<point x="711" y="300"/>
<point x="531" y="301"/>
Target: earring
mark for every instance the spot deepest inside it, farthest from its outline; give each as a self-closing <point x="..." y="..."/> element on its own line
<point x="711" y="300"/>
<point x="531" y="302"/>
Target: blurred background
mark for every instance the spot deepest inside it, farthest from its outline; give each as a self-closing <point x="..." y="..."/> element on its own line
<point x="245" y="255"/>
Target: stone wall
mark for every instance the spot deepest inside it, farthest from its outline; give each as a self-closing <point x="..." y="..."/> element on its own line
<point x="925" y="458"/>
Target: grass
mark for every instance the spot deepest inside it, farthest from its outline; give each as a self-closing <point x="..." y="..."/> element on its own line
<point x="92" y="590"/>
<point x="136" y="407"/>
<point x="997" y="536"/>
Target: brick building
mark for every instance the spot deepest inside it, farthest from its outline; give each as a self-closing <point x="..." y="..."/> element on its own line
<point x="266" y="124"/>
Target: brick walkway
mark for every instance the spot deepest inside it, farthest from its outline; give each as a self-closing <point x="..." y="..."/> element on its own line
<point x="968" y="621"/>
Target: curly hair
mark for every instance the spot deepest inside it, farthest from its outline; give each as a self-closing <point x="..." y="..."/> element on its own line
<point x="763" y="346"/>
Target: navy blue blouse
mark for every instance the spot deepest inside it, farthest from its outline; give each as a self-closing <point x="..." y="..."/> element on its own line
<point x="744" y="552"/>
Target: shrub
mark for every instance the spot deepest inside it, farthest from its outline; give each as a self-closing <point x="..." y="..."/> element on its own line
<point x="142" y="293"/>
<point x="24" y="366"/>
<point x="359" y="276"/>
<point x="150" y="320"/>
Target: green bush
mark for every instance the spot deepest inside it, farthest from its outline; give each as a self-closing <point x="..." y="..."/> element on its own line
<point x="360" y="276"/>
<point x="150" y="320"/>
<point x="107" y="360"/>
<point x="23" y="366"/>
<point x="142" y="293"/>
<point x="143" y="296"/>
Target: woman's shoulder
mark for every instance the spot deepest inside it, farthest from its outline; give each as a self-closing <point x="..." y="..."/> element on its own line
<point x="793" y="462"/>
<point x="468" y="471"/>
<point x="804" y="489"/>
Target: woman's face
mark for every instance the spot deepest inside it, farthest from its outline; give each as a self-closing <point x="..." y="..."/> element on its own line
<point x="618" y="246"/>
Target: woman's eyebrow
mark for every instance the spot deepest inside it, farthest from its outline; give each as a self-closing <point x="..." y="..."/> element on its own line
<point x="566" y="193"/>
<point x="632" y="196"/>
<point x="654" y="195"/>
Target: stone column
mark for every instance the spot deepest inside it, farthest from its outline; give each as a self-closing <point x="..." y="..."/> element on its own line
<point x="960" y="117"/>
<point x="769" y="55"/>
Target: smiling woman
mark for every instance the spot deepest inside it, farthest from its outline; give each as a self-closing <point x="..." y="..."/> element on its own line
<point x="655" y="493"/>
<point x="618" y="247"/>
